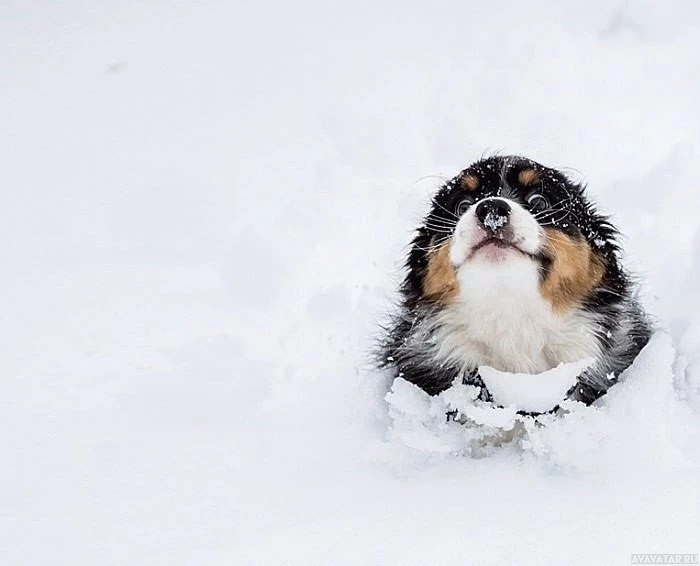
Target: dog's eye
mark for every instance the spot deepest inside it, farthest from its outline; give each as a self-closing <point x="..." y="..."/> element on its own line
<point x="464" y="205"/>
<point x="537" y="202"/>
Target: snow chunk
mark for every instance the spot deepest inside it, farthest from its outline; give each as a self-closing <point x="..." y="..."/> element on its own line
<point x="494" y="221"/>
<point x="534" y="393"/>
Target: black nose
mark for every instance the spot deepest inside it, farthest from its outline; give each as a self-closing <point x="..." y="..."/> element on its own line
<point x="493" y="214"/>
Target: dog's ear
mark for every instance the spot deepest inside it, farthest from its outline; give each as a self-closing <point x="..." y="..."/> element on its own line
<point x="429" y="274"/>
<point x="415" y="266"/>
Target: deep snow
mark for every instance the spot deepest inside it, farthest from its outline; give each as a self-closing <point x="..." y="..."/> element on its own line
<point x="535" y="393"/>
<point x="205" y="210"/>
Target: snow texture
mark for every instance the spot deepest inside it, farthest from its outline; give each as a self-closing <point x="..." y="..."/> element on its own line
<point x="532" y="392"/>
<point x="494" y="221"/>
<point x="206" y="206"/>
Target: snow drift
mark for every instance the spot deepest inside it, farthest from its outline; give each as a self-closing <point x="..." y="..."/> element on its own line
<point x="206" y="207"/>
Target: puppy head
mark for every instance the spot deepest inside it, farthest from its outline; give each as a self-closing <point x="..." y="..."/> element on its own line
<point x="511" y="223"/>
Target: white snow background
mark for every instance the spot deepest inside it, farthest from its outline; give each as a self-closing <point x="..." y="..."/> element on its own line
<point x="204" y="210"/>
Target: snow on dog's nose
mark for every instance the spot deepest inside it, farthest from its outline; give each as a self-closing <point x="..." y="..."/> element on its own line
<point x="493" y="214"/>
<point x="494" y="230"/>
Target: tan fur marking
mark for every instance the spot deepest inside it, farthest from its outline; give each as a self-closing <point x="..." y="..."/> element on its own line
<point x="470" y="182"/>
<point x="440" y="280"/>
<point x="528" y="177"/>
<point x="574" y="273"/>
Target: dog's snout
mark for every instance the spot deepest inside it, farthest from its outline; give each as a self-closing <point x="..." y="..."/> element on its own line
<point x="493" y="214"/>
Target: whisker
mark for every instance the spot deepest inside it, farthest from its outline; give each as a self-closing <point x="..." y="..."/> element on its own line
<point x="610" y="291"/>
<point x="440" y="225"/>
<point x="440" y="230"/>
<point x="554" y="210"/>
<point x="440" y="222"/>
<point x="435" y="218"/>
<point x="440" y="177"/>
<point x="446" y="210"/>
<point x="432" y="248"/>
<point x="559" y="207"/>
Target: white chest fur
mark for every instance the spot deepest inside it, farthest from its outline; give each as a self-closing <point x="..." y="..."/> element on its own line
<point x="500" y="319"/>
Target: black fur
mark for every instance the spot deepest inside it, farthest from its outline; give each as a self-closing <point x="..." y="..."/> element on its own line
<point x="624" y="328"/>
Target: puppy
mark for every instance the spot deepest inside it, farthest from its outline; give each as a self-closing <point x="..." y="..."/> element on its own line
<point x="513" y="268"/>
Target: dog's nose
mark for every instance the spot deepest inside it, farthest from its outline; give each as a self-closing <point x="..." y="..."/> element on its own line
<point x="493" y="214"/>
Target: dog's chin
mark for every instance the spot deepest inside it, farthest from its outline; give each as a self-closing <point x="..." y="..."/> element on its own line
<point x="496" y="250"/>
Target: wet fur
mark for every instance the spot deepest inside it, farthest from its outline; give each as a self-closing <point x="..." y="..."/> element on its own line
<point x="571" y="301"/>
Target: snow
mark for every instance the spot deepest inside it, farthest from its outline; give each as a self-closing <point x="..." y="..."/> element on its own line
<point x="532" y="392"/>
<point x="206" y="208"/>
<point x="494" y="221"/>
<point x="621" y="432"/>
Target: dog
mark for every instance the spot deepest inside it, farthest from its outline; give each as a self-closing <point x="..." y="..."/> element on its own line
<point x="513" y="267"/>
